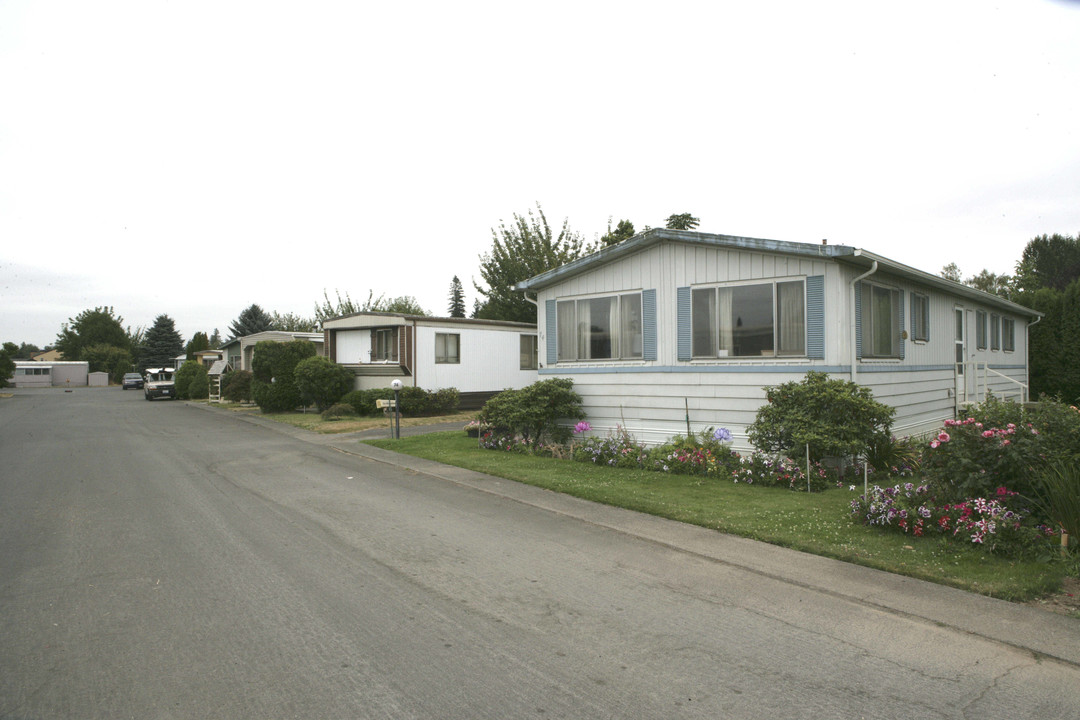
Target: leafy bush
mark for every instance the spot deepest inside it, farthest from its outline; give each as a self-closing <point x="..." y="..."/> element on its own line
<point x="338" y="411"/>
<point x="272" y="366"/>
<point x="186" y="376"/>
<point x="892" y="456"/>
<point x="321" y="381"/>
<point x="236" y="386"/>
<point x="837" y="418"/>
<point x="415" y="402"/>
<point x="534" y="412"/>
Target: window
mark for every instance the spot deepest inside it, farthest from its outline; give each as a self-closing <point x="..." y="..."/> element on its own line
<point x="447" y="348"/>
<point x="529" y="352"/>
<point x="920" y="317"/>
<point x="1008" y="334"/>
<point x="599" y="328"/>
<point x="880" y="321"/>
<point x="764" y="319"/>
<point x="384" y="345"/>
<point x="995" y="332"/>
<point x="980" y="329"/>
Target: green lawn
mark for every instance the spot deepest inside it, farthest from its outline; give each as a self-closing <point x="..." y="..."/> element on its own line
<point x="819" y="523"/>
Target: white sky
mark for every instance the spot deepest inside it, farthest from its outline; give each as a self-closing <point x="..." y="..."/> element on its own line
<point x="192" y="158"/>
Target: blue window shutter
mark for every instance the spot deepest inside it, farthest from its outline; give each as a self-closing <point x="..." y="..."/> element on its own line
<point x="815" y="316"/>
<point x="551" y="330"/>
<point x="684" y="319"/>
<point x="858" y="319"/>
<point x="901" y="303"/>
<point x="648" y="324"/>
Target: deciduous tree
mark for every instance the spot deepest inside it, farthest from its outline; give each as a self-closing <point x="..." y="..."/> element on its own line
<point x="520" y="250"/>
<point x="99" y="326"/>
<point x="682" y="221"/>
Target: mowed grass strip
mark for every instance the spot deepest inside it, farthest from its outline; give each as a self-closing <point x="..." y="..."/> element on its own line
<point x="818" y="523"/>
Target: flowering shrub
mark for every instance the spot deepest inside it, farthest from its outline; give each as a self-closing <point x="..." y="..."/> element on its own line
<point x="969" y="459"/>
<point x="988" y="523"/>
<point x="682" y="460"/>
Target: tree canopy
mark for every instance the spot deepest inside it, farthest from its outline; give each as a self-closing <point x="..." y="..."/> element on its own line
<point x="162" y="343"/>
<point x="682" y="221"/>
<point x="405" y="304"/>
<point x="1049" y="261"/>
<point x="99" y="326"/>
<point x="198" y="342"/>
<point x="623" y="231"/>
<point x="252" y="320"/>
<point x="291" y="322"/>
<point x="520" y="250"/>
<point x="7" y="363"/>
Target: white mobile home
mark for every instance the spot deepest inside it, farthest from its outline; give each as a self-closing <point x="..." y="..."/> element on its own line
<point x="671" y="324"/>
<point x="478" y="357"/>
<point x="52" y="373"/>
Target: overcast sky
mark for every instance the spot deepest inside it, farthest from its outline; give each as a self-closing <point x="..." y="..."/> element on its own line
<point x="192" y="158"/>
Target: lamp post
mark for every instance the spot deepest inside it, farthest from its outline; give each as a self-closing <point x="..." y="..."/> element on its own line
<point x="396" y="385"/>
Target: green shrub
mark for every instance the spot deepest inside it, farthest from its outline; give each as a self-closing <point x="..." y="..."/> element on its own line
<point x="199" y="389"/>
<point x="186" y="376"/>
<point x="321" y="381"/>
<point x="836" y="418"/>
<point x="1056" y="496"/>
<point x="272" y="384"/>
<point x="236" y="386"/>
<point x="534" y="412"/>
<point x="338" y="411"/>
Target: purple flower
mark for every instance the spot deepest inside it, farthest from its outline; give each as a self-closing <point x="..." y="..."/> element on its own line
<point x="722" y="435"/>
<point x="582" y="427"/>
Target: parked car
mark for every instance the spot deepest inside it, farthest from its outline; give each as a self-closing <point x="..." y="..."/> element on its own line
<point x="159" y="383"/>
<point x="133" y="380"/>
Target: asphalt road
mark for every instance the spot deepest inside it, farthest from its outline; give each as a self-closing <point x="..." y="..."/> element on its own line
<point x="158" y="560"/>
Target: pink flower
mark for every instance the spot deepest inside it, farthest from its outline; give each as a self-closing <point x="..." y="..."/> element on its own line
<point x="943" y="437"/>
<point x="934" y="443"/>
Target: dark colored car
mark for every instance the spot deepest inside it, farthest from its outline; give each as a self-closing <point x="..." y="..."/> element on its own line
<point x="133" y="380"/>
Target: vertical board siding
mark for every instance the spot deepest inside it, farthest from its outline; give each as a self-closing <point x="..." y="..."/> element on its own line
<point x="815" y="316"/>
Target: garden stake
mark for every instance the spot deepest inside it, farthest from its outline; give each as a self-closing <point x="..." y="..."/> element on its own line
<point x="807" y="468"/>
<point x="686" y="403"/>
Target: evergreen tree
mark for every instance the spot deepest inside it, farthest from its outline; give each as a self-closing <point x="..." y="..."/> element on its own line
<point x="198" y="342"/>
<point x="215" y="340"/>
<point x="623" y="231"/>
<point x="162" y="344"/>
<point x="457" y="299"/>
<point x="252" y="320"/>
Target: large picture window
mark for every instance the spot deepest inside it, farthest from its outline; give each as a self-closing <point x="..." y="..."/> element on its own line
<point x="600" y="328"/>
<point x="763" y="319"/>
<point x="447" y="348"/>
<point x="880" y="321"/>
